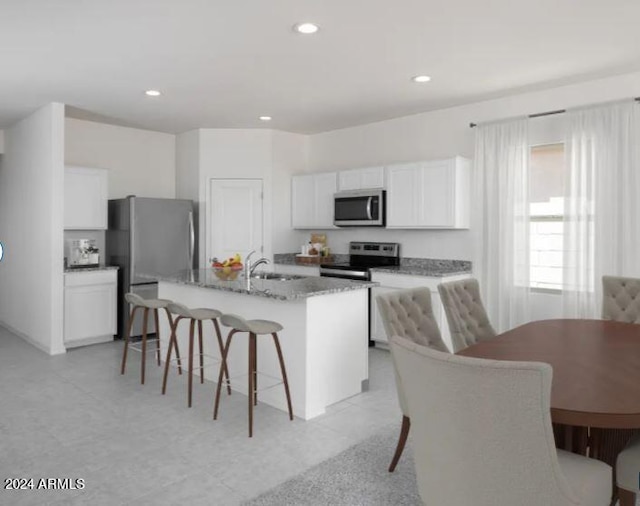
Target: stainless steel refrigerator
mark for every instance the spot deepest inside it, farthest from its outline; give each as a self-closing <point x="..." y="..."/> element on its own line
<point x="149" y="237"/>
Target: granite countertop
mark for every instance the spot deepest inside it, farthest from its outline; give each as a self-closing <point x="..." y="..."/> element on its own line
<point x="298" y="288"/>
<point x="429" y="267"/>
<point x="290" y="259"/>
<point x="92" y="269"/>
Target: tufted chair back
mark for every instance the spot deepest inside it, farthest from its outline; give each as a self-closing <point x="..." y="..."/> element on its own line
<point x="409" y="314"/>
<point x="468" y="320"/>
<point x="621" y="299"/>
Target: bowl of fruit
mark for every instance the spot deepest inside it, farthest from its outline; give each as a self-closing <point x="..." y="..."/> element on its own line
<point x="229" y="269"/>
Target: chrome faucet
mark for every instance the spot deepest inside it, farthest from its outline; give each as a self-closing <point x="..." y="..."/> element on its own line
<point x="260" y="261"/>
<point x="249" y="267"/>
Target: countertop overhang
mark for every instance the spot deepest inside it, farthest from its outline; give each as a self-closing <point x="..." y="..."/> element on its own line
<point x="304" y="287"/>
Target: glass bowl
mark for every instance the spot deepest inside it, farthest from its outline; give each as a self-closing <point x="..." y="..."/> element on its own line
<point x="227" y="273"/>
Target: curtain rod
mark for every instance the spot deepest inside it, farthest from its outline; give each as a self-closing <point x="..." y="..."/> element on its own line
<point x="547" y="113"/>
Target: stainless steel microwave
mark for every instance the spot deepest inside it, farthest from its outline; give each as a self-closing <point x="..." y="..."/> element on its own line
<point x="359" y="208"/>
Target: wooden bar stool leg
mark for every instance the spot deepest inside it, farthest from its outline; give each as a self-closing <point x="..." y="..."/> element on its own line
<point x="402" y="441"/>
<point x="157" y="322"/>
<point x="255" y="370"/>
<point x="221" y="347"/>
<point x="126" y="338"/>
<point x="223" y="368"/>
<point x="144" y="344"/>
<point x="190" y="382"/>
<point x="175" y="341"/>
<point x="250" y="392"/>
<point x="201" y="349"/>
<point x="284" y="373"/>
<point x="172" y="339"/>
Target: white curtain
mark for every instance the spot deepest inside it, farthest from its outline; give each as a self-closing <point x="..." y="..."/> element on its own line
<point x="501" y="221"/>
<point x="602" y="194"/>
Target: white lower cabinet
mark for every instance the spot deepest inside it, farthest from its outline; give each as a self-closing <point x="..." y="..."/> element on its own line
<point x="393" y="282"/>
<point x="89" y="307"/>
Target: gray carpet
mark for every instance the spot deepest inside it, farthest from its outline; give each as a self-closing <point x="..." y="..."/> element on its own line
<point x="356" y="477"/>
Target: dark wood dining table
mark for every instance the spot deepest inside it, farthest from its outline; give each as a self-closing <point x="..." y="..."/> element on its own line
<point x="596" y="377"/>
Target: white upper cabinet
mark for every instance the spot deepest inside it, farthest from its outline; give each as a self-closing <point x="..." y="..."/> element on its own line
<point x="312" y="200"/>
<point x="360" y="179"/>
<point x="85" y="198"/>
<point x="432" y="194"/>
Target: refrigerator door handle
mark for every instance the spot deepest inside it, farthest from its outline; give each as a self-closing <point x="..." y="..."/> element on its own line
<point x="192" y="240"/>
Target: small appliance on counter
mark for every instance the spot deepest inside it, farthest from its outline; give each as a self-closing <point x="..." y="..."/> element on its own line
<point x="315" y="252"/>
<point x="82" y="254"/>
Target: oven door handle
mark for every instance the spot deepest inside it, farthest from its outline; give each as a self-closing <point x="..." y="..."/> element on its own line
<point x="337" y="273"/>
<point x="369" y="201"/>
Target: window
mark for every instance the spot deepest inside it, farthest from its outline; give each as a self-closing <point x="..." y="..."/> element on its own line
<point x="546" y="211"/>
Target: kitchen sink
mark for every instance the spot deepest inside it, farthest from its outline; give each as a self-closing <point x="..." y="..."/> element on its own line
<point x="274" y="276"/>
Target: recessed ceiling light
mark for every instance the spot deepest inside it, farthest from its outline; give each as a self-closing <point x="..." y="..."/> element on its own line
<point x="421" y="79"/>
<point x="152" y="93"/>
<point x="306" y="28"/>
<point x="265" y="118"/>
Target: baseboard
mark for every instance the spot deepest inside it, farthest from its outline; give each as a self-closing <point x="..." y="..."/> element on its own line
<point x="88" y="340"/>
<point x="30" y="340"/>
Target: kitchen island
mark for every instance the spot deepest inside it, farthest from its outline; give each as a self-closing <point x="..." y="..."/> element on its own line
<point x="324" y="340"/>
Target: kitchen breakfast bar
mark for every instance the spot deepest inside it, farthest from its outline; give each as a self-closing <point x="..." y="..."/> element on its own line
<point x="324" y="340"/>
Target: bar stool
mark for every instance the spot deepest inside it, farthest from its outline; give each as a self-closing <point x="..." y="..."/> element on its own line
<point x="194" y="315"/>
<point x="254" y="328"/>
<point x="138" y="302"/>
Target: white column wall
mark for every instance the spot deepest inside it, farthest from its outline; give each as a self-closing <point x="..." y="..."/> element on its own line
<point x="235" y="154"/>
<point x="31" y="225"/>
<point x="290" y="156"/>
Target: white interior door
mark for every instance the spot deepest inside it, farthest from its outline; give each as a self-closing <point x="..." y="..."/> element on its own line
<point x="235" y="218"/>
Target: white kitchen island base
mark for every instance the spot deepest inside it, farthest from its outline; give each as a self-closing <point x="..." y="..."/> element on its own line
<point x="324" y="343"/>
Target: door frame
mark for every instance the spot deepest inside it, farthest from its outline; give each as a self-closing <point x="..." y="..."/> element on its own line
<point x="204" y="262"/>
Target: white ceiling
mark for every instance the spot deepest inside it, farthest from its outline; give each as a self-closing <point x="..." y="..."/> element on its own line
<point x="224" y="63"/>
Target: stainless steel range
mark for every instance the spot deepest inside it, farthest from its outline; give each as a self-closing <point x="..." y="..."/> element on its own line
<point x="364" y="256"/>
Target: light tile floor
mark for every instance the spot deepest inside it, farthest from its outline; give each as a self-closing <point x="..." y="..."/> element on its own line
<point x="74" y="416"/>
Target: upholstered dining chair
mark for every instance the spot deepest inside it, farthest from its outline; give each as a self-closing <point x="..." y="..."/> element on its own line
<point x="621" y="299"/>
<point x="490" y="441"/>
<point x="408" y="313"/>
<point x="621" y="303"/>
<point x="467" y="318"/>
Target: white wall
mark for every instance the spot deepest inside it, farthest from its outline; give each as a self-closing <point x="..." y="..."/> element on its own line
<point x="1" y="141"/>
<point x="31" y="224"/>
<point x="188" y="165"/>
<point x="442" y="134"/>
<point x="140" y="162"/>
<point x="290" y="156"/>
<point x="228" y="153"/>
<point x="205" y="154"/>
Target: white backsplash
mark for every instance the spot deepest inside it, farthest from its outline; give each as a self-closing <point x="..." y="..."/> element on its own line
<point x="443" y="244"/>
